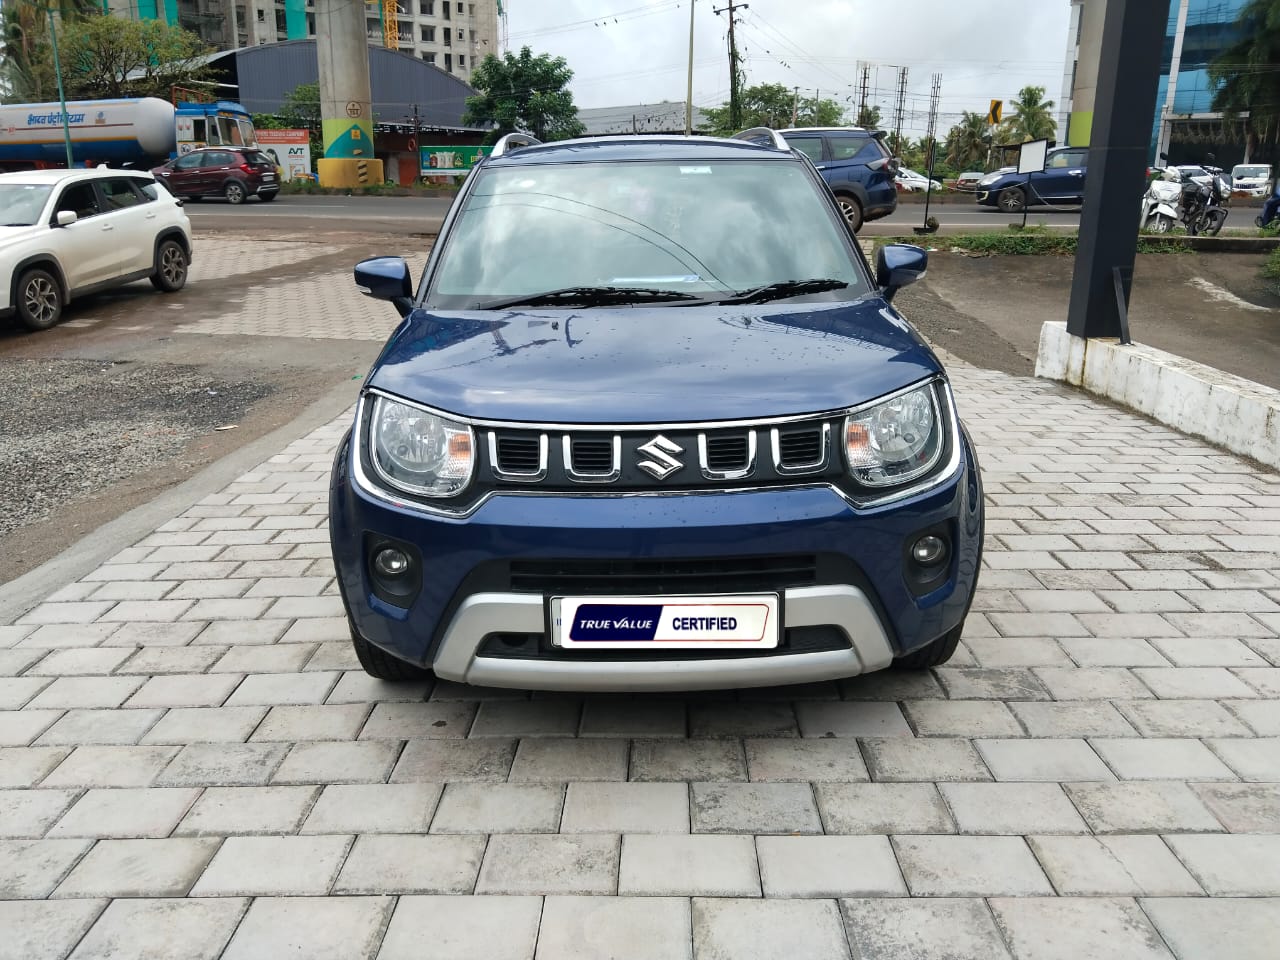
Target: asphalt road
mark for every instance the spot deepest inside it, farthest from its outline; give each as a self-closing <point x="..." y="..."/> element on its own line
<point x="410" y="215"/>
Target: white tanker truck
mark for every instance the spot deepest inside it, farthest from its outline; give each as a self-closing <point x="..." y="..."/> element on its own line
<point x="140" y="132"/>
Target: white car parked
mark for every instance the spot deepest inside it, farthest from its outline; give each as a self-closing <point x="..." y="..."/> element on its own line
<point x="1252" y="178"/>
<point x="68" y="233"/>
<point x="911" y="181"/>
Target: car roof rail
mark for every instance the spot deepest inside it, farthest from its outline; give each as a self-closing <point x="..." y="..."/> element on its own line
<point x="513" y="141"/>
<point x="765" y="136"/>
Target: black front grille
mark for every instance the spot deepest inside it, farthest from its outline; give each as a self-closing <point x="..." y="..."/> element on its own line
<point x="519" y="454"/>
<point x="592" y="454"/>
<point x="728" y="452"/>
<point x="800" y="447"/>
<point x="655" y="577"/>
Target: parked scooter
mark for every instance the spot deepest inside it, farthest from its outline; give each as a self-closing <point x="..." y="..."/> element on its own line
<point x="1161" y="203"/>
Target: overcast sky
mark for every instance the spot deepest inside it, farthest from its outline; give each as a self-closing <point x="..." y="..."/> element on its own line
<point x="636" y="51"/>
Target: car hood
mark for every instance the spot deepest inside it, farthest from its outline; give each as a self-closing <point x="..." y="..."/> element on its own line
<point x="13" y="236"/>
<point x="653" y="364"/>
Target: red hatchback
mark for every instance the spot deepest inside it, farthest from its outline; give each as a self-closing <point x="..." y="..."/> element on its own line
<point x="232" y="172"/>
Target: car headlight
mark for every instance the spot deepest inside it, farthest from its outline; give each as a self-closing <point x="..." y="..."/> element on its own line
<point x="989" y="179"/>
<point x="896" y="441"/>
<point x="420" y="452"/>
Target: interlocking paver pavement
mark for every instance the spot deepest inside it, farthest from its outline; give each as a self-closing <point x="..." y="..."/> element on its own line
<point x="190" y="755"/>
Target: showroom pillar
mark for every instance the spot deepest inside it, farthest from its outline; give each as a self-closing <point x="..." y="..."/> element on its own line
<point x="1124" y="113"/>
<point x="346" y="108"/>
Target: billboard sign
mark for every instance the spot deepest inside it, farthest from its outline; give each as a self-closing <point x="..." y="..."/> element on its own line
<point x="290" y="148"/>
<point x="450" y="161"/>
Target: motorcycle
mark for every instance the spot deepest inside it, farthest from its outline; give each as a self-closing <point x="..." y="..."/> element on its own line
<point x="1201" y="194"/>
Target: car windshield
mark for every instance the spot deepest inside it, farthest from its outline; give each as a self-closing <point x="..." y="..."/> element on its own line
<point x="1251" y="173"/>
<point x="708" y="229"/>
<point x="22" y="203"/>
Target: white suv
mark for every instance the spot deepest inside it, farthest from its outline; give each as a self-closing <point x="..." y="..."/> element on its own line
<point x="67" y="233"/>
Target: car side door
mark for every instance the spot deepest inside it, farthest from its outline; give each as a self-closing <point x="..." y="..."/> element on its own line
<point x="182" y="176"/>
<point x="215" y="171"/>
<point x="131" y="225"/>
<point x="84" y="248"/>
<point x="1063" y="178"/>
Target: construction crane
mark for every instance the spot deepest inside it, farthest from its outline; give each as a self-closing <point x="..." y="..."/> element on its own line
<point x="388" y="13"/>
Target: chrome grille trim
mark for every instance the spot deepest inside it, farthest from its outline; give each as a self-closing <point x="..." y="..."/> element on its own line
<point x="800" y="469"/>
<point x="609" y="476"/>
<point x="519" y="476"/>
<point x="740" y="474"/>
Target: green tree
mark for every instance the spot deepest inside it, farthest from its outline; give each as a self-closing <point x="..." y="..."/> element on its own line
<point x="300" y="110"/>
<point x="772" y="105"/>
<point x="1030" y="117"/>
<point x="524" y="93"/>
<point x="1246" y="74"/>
<point x="968" y="142"/>
<point x="868" y="117"/>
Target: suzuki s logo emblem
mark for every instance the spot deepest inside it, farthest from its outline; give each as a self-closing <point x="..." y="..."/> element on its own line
<point x="660" y="463"/>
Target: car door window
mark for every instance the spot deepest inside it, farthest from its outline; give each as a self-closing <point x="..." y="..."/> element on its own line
<point x="146" y="189"/>
<point x="220" y="159"/>
<point x="81" y="199"/>
<point x="118" y="194"/>
<point x="851" y="148"/>
<point x="191" y="161"/>
<point x="811" y="147"/>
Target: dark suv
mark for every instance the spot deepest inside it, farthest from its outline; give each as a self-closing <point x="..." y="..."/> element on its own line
<point x="651" y="422"/>
<point x="856" y="165"/>
<point x="232" y="172"/>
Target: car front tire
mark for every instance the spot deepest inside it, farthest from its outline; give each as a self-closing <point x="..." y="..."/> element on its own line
<point x="1012" y="199"/>
<point x="933" y="655"/>
<point x="381" y="665"/>
<point x="171" y="267"/>
<point x="39" y="299"/>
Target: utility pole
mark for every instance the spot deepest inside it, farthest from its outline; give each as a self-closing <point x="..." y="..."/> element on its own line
<point x="688" y="102"/>
<point x="930" y="139"/>
<point x="897" y="119"/>
<point x="62" y="97"/>
<point x="862" y="106"/>
<point x="795" y="107"/>
<point x="735" y="103"/>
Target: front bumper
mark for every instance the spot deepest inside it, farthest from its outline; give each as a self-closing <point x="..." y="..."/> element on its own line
<point x="475" y="620"/>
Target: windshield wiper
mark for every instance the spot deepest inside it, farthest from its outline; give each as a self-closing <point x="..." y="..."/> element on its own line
<point x="591" y="297"/>
<point x="784" y="289"/>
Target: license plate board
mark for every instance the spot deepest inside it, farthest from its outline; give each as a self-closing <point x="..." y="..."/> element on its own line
<point x="671" y="622"/>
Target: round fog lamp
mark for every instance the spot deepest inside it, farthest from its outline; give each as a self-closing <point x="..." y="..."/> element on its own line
<point x="390" y="562"/>
<point x="929" y="550"/>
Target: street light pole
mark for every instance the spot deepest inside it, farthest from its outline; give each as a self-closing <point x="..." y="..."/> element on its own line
<point x="688" y="103"/>
<point x="62" y="97"/>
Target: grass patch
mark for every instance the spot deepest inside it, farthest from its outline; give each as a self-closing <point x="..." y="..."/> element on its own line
<point x="1031" y="242"/>
<point x="1271" y="270"/>
<point x="310" y="187"/>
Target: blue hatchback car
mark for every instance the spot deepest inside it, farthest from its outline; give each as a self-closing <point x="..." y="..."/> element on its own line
<point x="856" y="165"/>
<point x="650" y="422"/>
<point x="1061" y="183"/>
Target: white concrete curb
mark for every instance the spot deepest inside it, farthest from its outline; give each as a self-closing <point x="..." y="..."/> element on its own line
<point x="1235" y="413"/>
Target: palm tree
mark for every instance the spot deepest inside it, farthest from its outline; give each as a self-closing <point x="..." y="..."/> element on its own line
<point x="1248" y="82"/>
<point x="1032" y="117"/>
<point x="968" y="142"/>
<point x="24" y="48"/>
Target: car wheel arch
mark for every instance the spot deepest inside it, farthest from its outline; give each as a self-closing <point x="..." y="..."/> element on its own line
<point x="40" y="261"/>
<point x="173" y="233"/>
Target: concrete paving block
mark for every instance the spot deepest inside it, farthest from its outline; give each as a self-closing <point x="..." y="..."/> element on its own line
<point x="901" y="759"/>
<point x="1261" y="716"/>
<point x="1162" y="759"/>
<point x="688" y="760"/>
<point x="206" y="725"/>
<point x="558" y="760"/>
<point x="989" y="683"/>
<point x="1051" y="760"/>
<point x="19" y="728"/>
<point x="87" y="693"/>
<point x="419" y="721"/>
<point x="1193" y="683"/>
<point x="548" y="864"/>
<point x="1242" y="929"/>
<point x="282" y="689"/>
<point x="100" y="727"/>
<point x="441" y="761"/>
<point x="185" y="690"/>
<point x="411" y="865"/>
<point x="273" y="867"/>
<point x="1011" y="808"/>
<point x="111" y="767"/>
<point x="15" y="692"/>
<point x="1182" y="718"/>
<point x="657" y="865"/>
<point x="338" y="762"/>
<point x="126" y="814"/>
<point x="892" y="685"/>
<point x="1067" y="929"/>
<point x="54" y="636"/>
<point x="152" y="661"/>
<point x="883" y="808"/>
<point x="1243" y="807"/>
<point x="312" y="722"/>
<point x="373" y="808"/>
<point x="44" y="929"/>
<point x="463" y="928"/>
<point x="756" y="808"/>
<point x="1212" y="652"/>
<point x="1155" y="807"/>
<point x="1073" y="718"/>
<point x="856" y="718"/>
<point x="962" y="718"/>
<point x="1113" y="866"/>
<point x="833" y="761"/>
<point x="640" y="719"/>
<point x="356" y="686"/>
<point x="225" y="811"/>
<point x="1092" y="683"/>
<point x="499" y="808"/>
<point x="88" y="661"/>
<point x="618" y="808"/>
<point x="30" y="869"/>
<point x="318" y="928"/>
<point x="261" y="658"/>
<point x="1112" y="652"/>
<point x="923" y="929"/>
<point x="1254" y="759"/>
<point x="638" y="928"/>
<point x="526" y="718"/>
<point x="829" y="867"/>
<point x="735" y="719"/>
<point x="768" y="930"/>
<point x="223" y="764"/>
<point x="1236" y="865"/>
<point x="139" y="868"/>
<point x="27" y="766"/>
<point x="970" y="867"/>
<point x="162" y="929"/>
<point x="1005" y="652"/>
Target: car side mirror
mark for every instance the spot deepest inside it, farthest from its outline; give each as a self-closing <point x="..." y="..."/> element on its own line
<point x="898" y="265"/>
<point x="387" y="278"/>
<point x="66" y="218"/>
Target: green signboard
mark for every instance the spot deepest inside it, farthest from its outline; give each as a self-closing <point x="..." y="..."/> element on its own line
<point x="450" y="161"/>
